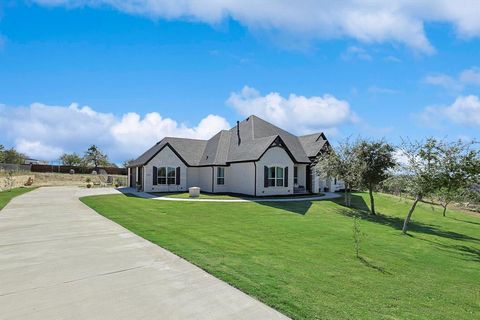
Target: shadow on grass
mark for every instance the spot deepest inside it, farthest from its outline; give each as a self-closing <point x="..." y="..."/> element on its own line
<point x="358" y="209"/>
<point x="371" y="265"/>
<point x="467" y="253"/>
<point x="298" y="207"/>
<point x="466" y="221"/>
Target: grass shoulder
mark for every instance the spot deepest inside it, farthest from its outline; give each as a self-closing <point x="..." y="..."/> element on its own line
<point x="7" y="195"/>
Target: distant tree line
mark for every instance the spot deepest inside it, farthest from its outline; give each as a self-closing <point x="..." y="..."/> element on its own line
<point x="11" y="156"/>
<point x="438" y="170"/>
<point x="93" y="157"/>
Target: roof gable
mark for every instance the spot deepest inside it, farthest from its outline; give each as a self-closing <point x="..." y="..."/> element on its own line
<point x="247" y="141"/>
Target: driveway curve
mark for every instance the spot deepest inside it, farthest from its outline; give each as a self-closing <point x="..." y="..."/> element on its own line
<point x="59" y="259"/>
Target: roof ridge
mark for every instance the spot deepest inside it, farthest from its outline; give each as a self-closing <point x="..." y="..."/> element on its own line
<point x="218" y="146"/>
<point x="311" y="134"/>
<point x="182" y="138"/>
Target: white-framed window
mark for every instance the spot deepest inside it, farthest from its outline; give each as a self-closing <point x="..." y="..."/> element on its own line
<point x="295" y="175"/>
<point x="220" y="175"/>
<point x="275" y="176"/>
<point x="166" y="175"/>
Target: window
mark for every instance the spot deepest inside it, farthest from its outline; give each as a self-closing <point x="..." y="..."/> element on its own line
<point x="220" y="175"/>
<point x="295" y="175"/>
<point x="170" y="175"/>
<point x="279" y="177"/>
<point x="166" y="175"/>
<point x="275" y="177"/>
<point x="162" y="175"/>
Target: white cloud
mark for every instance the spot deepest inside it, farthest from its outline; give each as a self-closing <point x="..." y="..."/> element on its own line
<point x="465" y="110"/>
<point x="45" y="131"/>
<point x="368" y="21"/>
<point x="443" y="80"/>
<point x="137" y="134"/>
<point x="392" y="59"/>
<point x="354" y="52"/>
<point x="38" y="149"/>
<point x="470" y="76"/>
<point x="298" y="114"/>
<point x="467" y="77"/>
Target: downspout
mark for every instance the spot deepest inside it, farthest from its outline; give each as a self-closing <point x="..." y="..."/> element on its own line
<point x="255" y="182"/>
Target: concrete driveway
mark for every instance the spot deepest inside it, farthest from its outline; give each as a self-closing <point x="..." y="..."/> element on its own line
<point x="61" y="260"/>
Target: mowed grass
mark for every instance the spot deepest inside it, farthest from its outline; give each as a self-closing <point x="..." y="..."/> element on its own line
<point x="6" y="196"/>
<point x="298" y="257"/>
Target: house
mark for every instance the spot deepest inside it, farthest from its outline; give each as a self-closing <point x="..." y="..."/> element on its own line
<point x="34" y="161"/>
<point x="253" y="158"/>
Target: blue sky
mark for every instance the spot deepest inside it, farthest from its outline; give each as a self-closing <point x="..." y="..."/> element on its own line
<point x="74" y="73"/>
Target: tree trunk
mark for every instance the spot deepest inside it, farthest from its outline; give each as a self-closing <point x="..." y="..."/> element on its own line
<point x="372" y="201"/>
<point x="409" y="215"/>
<point x="445" y="210"/>
<point x="346" y="194"/>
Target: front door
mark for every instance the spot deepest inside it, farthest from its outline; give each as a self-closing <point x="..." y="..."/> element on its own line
<point x="308" y="178"/>
<point x="140" y="177"/>
<point x="132" y="177"/>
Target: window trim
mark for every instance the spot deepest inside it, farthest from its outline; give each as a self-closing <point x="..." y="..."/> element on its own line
<point x="166" y="176"/>
<point x="221" y="178"/>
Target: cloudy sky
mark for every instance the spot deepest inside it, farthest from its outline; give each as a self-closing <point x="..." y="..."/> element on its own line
<point x="123" y="74"/>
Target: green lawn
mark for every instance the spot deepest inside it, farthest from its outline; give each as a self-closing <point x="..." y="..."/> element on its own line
<point x="6" y="196"/>
<point x="298" y="257"/>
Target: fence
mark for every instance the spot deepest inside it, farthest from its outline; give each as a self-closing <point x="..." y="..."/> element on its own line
<point x="44" y="168"/>
<point x="85" y="170"/>
<point x="14" y="167"/>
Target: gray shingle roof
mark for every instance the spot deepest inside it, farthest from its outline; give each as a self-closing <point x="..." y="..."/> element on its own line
<point x="190" y="150"/>
<point x="256" y="136"/>
<point x="312" y="143"/>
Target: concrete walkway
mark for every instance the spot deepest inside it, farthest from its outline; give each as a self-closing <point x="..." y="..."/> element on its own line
<point x="326" y="196"/>
<point x="61" y="260"/>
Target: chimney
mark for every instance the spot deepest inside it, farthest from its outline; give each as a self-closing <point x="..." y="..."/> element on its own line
<point x="238" y="133"/>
